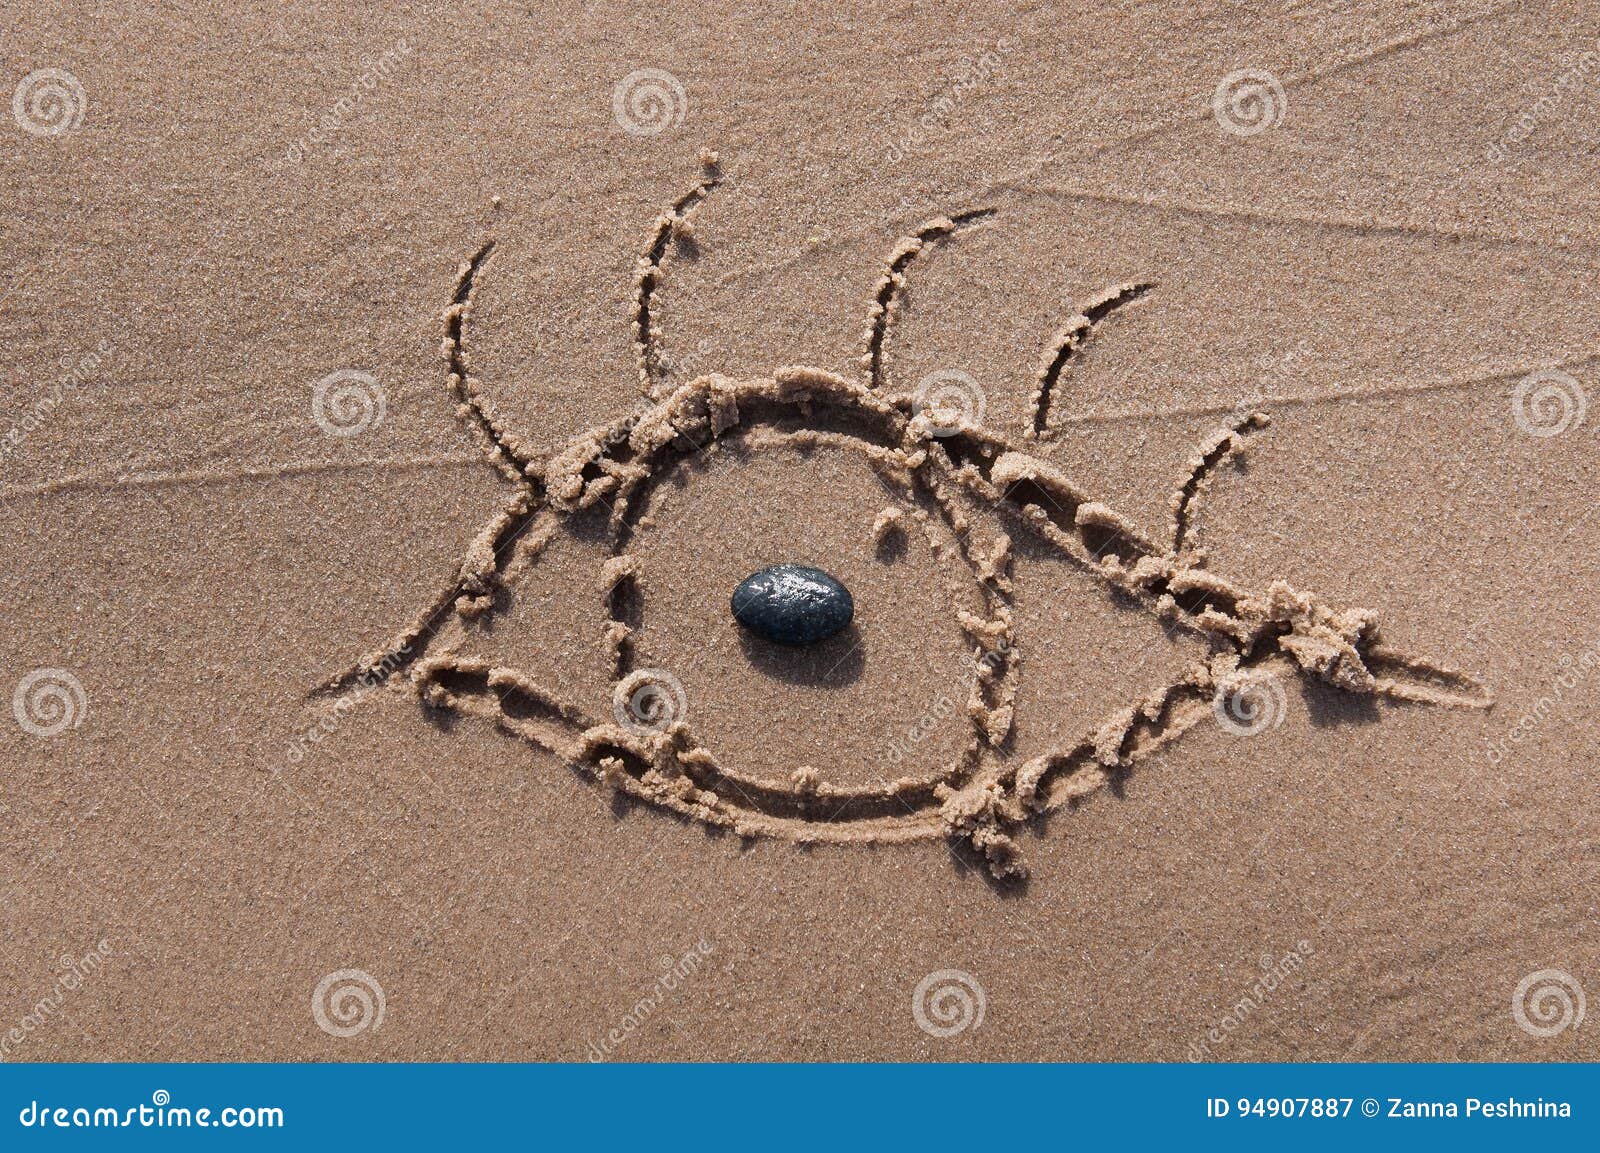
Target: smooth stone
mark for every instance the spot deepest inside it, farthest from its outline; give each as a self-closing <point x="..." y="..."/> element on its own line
<point x="792" y="604"/>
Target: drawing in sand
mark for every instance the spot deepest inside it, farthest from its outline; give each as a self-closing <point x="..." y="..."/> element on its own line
<point x="966" y="489"/>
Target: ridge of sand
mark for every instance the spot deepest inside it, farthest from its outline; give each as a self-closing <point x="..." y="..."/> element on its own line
<point x="672" y="224"/>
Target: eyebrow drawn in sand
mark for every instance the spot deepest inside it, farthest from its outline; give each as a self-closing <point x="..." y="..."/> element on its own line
<point x="950" y="479"/>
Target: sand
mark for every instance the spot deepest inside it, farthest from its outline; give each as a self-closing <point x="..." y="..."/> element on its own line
<point x="1195" y="405"/>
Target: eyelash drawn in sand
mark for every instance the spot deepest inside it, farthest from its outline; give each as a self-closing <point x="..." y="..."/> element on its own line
<point x="944" y="482"/>
<point x="1073" y="335"/>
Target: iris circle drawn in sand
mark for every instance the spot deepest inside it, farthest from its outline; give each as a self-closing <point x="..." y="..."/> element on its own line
<point x="1246" y="705"/>
<point x="48" y="102"/>
<point x="858" y="424"/>
<point x="1248" y="101"/>
<point x="1548" y="402"/>
<point x="347" y="1002"/>
<point x="949" y="400"/>
<point x="48" y="702"/>
<point x="947" y="1002"/>
<point x="648" y="101"/>
<point x="348" y="402"/>
<point x="1548" y="1002"/>
<point x="648" y="702"/>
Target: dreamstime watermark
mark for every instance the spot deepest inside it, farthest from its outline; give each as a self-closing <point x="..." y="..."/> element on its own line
<point x="947" y="1002"/>
<point x="1248" y="101"/>
<point x="1545" y="108"/>
<point x="1274" y="371"/>
<point x="982" y="665"/>
<point x="949" y="400"/>
<point x="648" y="101"/>
<point x="1548" y="1002"/>
<point x="348" y="402"/>
<point x="74" y="974"/>
<point x="333" y="716"/>
<point x="79" y="371"/>
<point x="1249" y="703"/>
<point x="1548" y="402"/>
<point x="1274" y="971"/>
<point x="48" y="702"/>
<point x="1574" y="671"/>
<point x="620" y="431"/>
<point x="648" y="702"/>
<point x="955" y="90"/>
<point x="160" y="1113"/>
<point x="340" y="112"/>
<point x="347" y="1002"/>
<point x="674" y="972"/>
<point x="48" y="102"/>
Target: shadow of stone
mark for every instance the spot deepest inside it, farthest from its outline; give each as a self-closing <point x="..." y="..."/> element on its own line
<point x="833" y="663"/>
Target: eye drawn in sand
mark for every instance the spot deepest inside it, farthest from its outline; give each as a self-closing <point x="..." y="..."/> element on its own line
<point x="971" y="491"/>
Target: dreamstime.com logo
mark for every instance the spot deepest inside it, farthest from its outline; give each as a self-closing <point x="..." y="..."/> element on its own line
<point x="347" y="402"/>
<point x="343" y="110"/>
<point x="347" y="1002"/>
<point x="648" y="702"/>
<point x="949" y="400"/>
<point x="48" y="102"/>
<point x="1249" y="101"/>
<point x="1550" y="102"/>
<point x="333" y="716"/>
<point x="649" y="101"/>
<point x="675" y="973"/>
<point x="1548" y="1002"/>
<point x="79" y="374"/>
<point x="1548" y="402"/>
<point x="160" y="1113"/>
<point x="947" y="1002"/>
<point x="1247" y="704"/>
<point x="975" y="669"/>
<point x="1561" y="694"/>
<point x="954" y="92"/>
<point x="75" y="973"/>
<point x="1275" y="970"/>
<point x="48" y="702"/>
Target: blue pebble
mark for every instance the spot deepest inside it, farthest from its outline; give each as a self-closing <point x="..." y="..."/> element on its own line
<point x="792" y="604"/>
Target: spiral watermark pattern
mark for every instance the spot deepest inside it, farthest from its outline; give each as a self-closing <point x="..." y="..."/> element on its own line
<point x="1548" y="402"/>
<point x="1246" y="705"/>
<point x="1249" y="101"/>
<point x="48" y="102"/>
<point x="347" y="403"/>
<point x="347" y="1002"/>
<point x="1548" y="1002"/>
<point x="648" y="101"/>
<point x="949" y="400"/>
<point x="48" y="702"/>
<point x="947" y="1002"/>
<point x="648" y="702"/>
